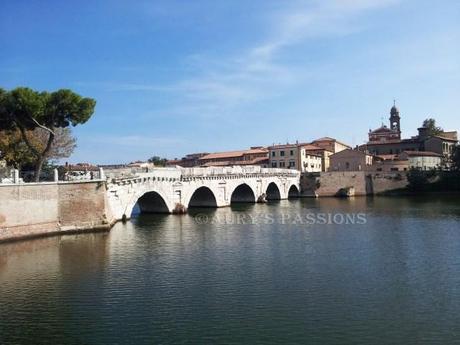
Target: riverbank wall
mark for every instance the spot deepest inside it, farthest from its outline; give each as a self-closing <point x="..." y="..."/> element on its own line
<point x="38" y="209"/>
<point x="360" y="182"/>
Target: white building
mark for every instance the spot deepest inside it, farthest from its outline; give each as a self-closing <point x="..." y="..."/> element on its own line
<point x="423" y="160"/>
<point x="295" y="156"/>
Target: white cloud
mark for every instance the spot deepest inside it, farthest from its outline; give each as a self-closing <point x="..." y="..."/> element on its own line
<point x="258" y="73"/>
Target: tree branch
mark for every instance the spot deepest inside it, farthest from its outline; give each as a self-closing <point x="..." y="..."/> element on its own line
<point x="41" y="126"/>
<point x="26" y="140"/>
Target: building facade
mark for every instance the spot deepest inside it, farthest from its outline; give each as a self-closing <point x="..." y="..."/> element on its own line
<point x="299" y="156"/>
<point x="350" y="160"/>
<point x="422" y="160"/>
<point x="330" y="144"/>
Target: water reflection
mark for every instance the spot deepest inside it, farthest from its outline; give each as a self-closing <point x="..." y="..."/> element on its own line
<point x="170" y="279"/>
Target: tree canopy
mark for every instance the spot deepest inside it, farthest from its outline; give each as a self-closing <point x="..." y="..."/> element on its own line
<point x="432" y="128"/>
<point x="456" y="158"/>
<point x="24" y="110"/>
<point x="158" y="161"/>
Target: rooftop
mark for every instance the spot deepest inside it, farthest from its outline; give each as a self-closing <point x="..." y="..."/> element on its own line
<point x="422" y="154"/>
<point x="233" y="154"/>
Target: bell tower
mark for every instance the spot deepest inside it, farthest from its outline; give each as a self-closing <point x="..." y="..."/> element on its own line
<point x="395" y="120"/>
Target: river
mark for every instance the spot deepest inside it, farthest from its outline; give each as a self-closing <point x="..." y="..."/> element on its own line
<point x="309" y="271"/>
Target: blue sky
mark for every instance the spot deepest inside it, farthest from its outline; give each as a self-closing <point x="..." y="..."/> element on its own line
<point x="175" y="77"/>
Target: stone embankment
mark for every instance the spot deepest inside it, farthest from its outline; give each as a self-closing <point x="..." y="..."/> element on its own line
<point x="360" y="182"/>
<point x="37" y="209"/>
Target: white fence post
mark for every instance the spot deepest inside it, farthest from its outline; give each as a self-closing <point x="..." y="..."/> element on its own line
<point x="15" y="176"/>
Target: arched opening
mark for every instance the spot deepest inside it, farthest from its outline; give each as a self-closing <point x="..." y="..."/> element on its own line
<point x="151" y="202"/>
<point x="243" y="193"/>
<point x="273" y="193"/>
<point x="293" y="192"/>
<point x="203" y="197"/>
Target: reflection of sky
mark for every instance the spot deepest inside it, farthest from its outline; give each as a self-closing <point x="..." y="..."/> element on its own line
<point x="168" y="278"/>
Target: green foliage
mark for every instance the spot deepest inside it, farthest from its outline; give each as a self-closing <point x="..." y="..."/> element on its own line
<point x="419" y="179"/>
<point x="432" y="128"/>
<point x="456" y="158"/>
<point x="158" y="161"/>
<point x="24" y="109"/>
<point x="14" y="151"/>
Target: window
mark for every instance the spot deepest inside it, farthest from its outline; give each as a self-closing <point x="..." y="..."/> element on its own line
<point x="291" y="152"/>
<point x="273" y="153"/>
<point x="274" y="165"/>
<point x="347" y="165"/>
<point x="281" y="153"/>
<point x="282" y="165"/>
<point x="291" y="164"/>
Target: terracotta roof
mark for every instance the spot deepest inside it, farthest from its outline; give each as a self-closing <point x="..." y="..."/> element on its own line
<point x="386" y="142"/>
<point x="311" y="147"/>
<point x="443" y="138"/>
<point x="255" y="161"/>
<point x="329" y="139"/>
<point x="233" y="154"/>
<point x="422" y="154"/>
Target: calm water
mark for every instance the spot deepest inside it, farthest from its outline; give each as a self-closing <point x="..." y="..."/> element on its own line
<point x="168" y="279"/>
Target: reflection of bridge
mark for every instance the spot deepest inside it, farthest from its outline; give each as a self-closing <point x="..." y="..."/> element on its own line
<point x="171" y="190"/>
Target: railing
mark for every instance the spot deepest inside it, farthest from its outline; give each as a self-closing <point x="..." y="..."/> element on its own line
<point x="18" y="177"/>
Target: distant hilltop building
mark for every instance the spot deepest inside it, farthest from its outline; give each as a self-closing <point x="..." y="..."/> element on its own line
<point x="387" y="140"/>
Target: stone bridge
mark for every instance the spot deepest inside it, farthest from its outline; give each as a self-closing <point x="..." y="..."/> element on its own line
<point x="174" y="190"/>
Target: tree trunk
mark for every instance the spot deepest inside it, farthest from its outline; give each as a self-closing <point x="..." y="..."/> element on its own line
<point x="41" y="158"/>
<point x="38" y="168"/>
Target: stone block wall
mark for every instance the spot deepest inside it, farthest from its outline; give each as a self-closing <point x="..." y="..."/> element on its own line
<point x="28" y="210"/>
<point x="364" y="183"/>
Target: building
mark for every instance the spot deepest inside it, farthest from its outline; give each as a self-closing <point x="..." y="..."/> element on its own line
<point x="256" y="155"/>
<point x="387" y="140"/>
<point x="350" y="160"/>
<point x="330" y="144"/>
<point x="310" y="162"/>
<point x="319" y="151"/>
<point x="422" y="160"/>
<point x="389" y="164"/>
<point x="190" y="160"/>
<point x="284" y="156"/>
<point x="299" y="156"/>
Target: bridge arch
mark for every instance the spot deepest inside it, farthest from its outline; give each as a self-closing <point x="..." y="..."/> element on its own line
<point x="151" y="202"/>
<point x="273" y="192"/>
<point x="203" y="197"/>
<point x="293" y="192"/>
<point x="243" y="194"/>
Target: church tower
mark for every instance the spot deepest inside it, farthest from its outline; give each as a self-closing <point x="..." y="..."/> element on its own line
<point x="395" y="120"/>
